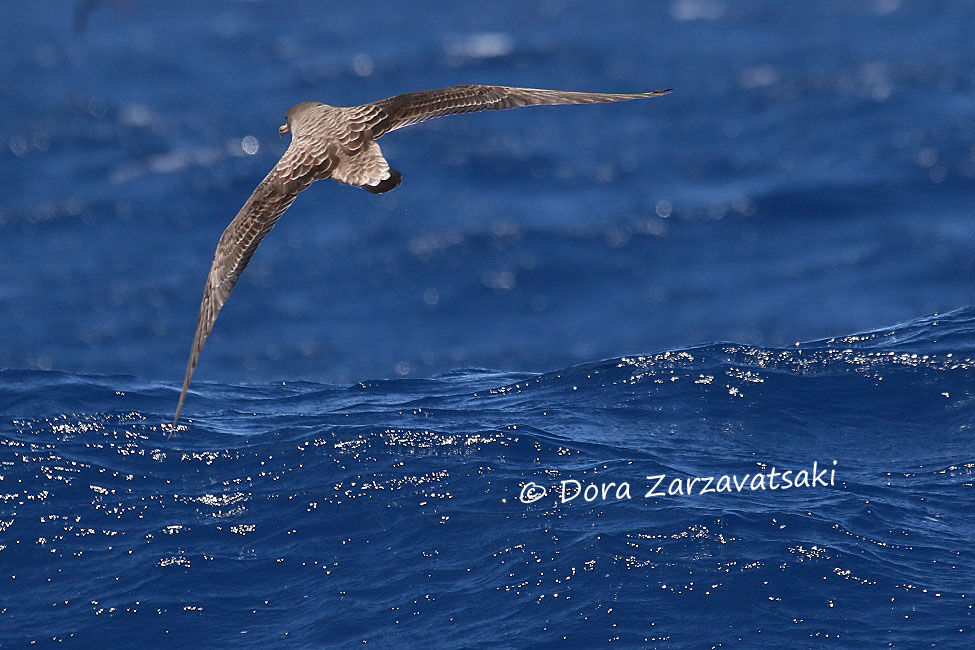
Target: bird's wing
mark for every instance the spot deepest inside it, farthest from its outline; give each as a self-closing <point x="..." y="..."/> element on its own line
<point x="296" y="170"/>
<point x="403" y="110"/>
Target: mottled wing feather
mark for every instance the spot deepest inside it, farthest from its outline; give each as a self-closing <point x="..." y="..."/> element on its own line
<point x="403" y="110"/>
<point x="294" y="172"/>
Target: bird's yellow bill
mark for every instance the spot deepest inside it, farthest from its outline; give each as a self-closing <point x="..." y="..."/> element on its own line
<point x="283" y="129"/>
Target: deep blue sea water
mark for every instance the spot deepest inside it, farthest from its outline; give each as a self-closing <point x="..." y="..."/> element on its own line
<point x="595" y="294"/>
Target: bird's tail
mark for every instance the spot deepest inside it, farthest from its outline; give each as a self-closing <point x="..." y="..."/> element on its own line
<point x="391" y="183"/>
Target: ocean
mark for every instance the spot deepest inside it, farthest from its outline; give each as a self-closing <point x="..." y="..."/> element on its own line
<point x="543" y="394"/>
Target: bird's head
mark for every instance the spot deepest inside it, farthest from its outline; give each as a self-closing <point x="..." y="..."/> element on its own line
<point x="298" y="115"/>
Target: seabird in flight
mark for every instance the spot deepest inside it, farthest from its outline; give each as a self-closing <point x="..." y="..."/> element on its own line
<point x="339" y="142"/>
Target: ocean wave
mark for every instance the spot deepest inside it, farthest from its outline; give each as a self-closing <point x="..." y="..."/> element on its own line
<point x="333" y="514"/>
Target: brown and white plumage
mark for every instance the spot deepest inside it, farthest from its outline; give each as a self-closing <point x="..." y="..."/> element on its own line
<point x="340" y="143"/>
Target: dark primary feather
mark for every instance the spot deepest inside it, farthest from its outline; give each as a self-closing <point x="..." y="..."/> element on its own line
<point x="237" y="245"/>
<point x="340" y="143"/>
<point x="413" y="108"/>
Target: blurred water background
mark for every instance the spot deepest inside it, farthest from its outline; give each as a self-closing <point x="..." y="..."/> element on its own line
<point x="355" y="448"/>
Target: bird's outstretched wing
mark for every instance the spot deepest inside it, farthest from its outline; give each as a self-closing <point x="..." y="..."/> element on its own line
<point x="403" y="110"/>
<point x="294" y="172"/>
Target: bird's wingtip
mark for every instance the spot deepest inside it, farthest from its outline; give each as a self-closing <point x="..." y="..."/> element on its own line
<point x="179" y="405"/>
<point x="175" y="427"/>
<point x="179" y="409"/>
